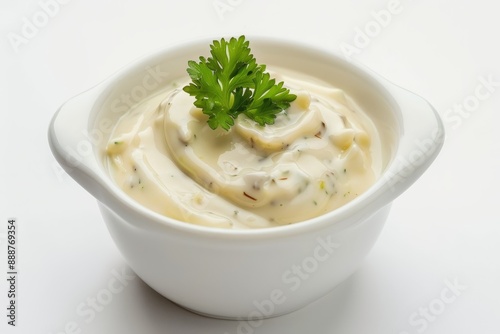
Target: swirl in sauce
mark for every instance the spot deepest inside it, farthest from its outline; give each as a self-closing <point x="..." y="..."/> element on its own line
<point x="321" y="153"/>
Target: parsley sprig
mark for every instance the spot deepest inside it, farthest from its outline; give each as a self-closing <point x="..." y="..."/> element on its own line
<point x="230" y="82"/>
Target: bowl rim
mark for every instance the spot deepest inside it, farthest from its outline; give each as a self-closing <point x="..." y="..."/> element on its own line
<point x="347" y="216"/>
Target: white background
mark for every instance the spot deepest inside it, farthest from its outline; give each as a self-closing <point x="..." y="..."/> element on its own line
<point x="444" y="230"/>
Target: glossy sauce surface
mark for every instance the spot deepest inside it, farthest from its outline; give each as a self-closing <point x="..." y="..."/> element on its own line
<point x="321" y="153"/>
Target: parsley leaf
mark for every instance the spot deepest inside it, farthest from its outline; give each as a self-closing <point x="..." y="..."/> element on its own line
<point x="230" y="82"/>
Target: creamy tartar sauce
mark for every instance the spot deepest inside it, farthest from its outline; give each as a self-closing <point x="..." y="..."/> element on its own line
<point x="321" y="153"/>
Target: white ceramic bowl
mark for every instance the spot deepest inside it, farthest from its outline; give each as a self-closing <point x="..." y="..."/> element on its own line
<point x="245" y="273"/>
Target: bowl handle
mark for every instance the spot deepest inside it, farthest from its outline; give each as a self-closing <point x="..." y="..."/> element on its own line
<point x="75" y="150"/>
<point x="421" y="138"/>
<point x="71" y="143"/>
